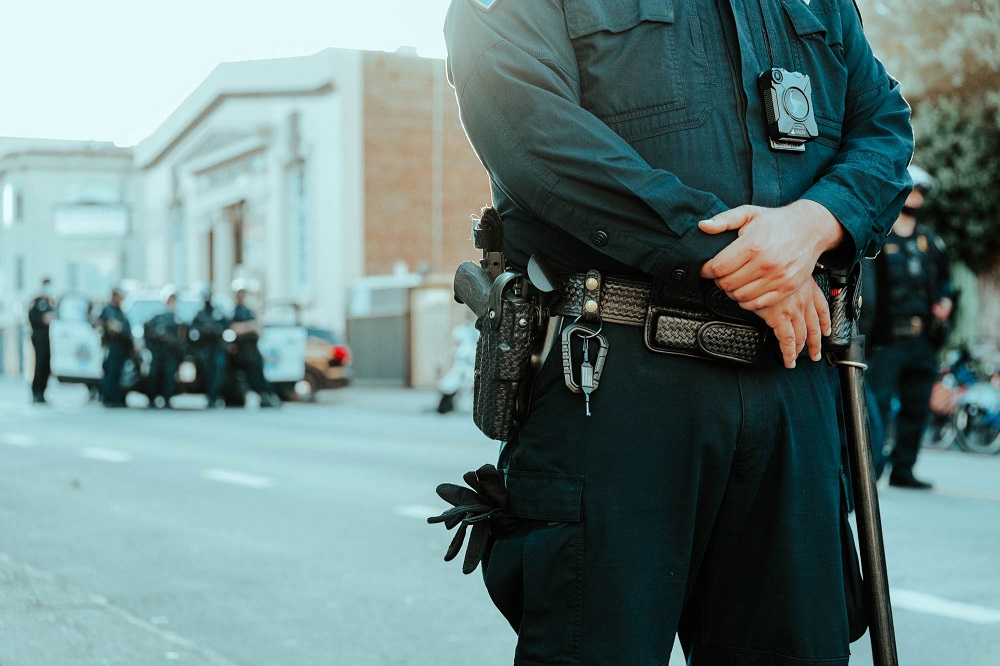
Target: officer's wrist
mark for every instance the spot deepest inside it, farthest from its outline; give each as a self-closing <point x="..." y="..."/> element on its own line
<point x="826" y="229"/>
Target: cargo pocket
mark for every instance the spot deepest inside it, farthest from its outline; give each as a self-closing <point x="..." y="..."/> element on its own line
<point x="854" y="591"/>
<point x="534" y="572"/>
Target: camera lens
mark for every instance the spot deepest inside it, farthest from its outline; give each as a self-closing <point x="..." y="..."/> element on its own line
<point x="795" y="103"/>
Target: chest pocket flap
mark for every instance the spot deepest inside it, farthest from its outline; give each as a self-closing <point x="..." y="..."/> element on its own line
<point x="819" y="18"/>
<point x="585" y="17"/>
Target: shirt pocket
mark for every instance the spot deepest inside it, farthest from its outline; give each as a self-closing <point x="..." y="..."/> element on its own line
<point x="817" y="45"/>
<point x="642" y="64"/>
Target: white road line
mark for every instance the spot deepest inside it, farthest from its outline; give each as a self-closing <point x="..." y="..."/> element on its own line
<point x="417" y="511"/>
<point x="237" y="478"/>
<point x="106" y="455"/>
<point x="932" y="605"/>
<point x="15" y="439"/>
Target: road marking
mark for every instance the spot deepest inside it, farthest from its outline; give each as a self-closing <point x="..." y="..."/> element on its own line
<point x="106" y="455"/>
<point x="237" y="478"/>
<point x="14" y="439"/>
<point x="417" y="511"/>
<point x="932" y="605"/>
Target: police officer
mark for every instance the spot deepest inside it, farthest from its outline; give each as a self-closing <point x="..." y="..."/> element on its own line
<point x="40" y="314"/>
<point x="164" y="338"/>
<point x="913" y="305"/>
<point x="244" y="353"/>
<point x="207" y="330"/>
<point x="630" y="143"/>
<point x="116" y="334"/>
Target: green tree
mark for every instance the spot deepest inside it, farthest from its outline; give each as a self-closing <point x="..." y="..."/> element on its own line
<point x="958" y="140"/>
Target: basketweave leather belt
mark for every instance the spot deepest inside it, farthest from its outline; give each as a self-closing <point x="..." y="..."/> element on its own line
<point x="704" y="325"/>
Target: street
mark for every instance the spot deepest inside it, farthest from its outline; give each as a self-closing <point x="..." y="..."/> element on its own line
<point x="298" y="536"/>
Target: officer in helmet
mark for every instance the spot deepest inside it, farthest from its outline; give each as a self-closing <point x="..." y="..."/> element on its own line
<point x="164" y="338"/>
<point x="244" y="353"/>
<point x="207" y="331"/>
<point x="913" y="306"/>
<point x="116" y="335"/>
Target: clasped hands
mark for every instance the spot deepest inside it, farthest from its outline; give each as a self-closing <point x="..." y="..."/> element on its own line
<point x="768" y="269"/>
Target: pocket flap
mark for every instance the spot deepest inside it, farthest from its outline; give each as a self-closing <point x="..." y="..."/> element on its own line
<point x="804" y="21"/>
<point x="585" y="17"/>
<point x="545" y="496"/>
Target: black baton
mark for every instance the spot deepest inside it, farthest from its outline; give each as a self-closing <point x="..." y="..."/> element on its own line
<point x="847" y="351"/>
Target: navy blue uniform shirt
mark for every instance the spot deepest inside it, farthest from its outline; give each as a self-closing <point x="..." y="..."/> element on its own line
<point x="609" y="128"/>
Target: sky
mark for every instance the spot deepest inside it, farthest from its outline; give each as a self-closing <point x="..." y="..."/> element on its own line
<point x="113" y="70"/>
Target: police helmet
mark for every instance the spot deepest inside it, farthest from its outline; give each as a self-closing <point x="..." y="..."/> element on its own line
<point x="927" y="184"/>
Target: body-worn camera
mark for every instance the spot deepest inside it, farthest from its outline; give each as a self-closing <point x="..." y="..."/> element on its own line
<point x="789" y="109"/>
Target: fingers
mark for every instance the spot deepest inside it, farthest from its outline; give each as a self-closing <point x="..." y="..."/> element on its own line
<point x="814" y="335"/>
<point x="785" y="333"/>
<point x="735" y="256"/>
<point x="728" y="220"/>
<point x="764" y="301"/>
<point x="823" y="311"/>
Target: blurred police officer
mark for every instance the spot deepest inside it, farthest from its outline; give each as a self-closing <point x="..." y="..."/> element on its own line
<point x="636" y="145"/>
<point x="40" y="314"/>
<point x="913" y="305"/>
<point x="207" y="331"/>
<point x="245" y="354"/>
<point x="116" y="334"/>
<point x="164" y="339"/>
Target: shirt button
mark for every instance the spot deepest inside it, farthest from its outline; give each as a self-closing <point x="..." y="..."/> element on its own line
<point x="680" y="275"/>
<point x="600" y="238"/>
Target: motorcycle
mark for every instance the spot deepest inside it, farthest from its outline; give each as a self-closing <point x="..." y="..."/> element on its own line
<point x="977" y="417"/>
<point x="955" y="379"/>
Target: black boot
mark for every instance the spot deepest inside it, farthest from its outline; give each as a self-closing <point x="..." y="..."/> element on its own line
<point x="904" y="479"/>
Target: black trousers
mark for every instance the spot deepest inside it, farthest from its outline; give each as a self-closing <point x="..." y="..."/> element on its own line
<point x="112" y="394"/>
<point x="43" y="365"/>
<point x="163" y="374"/>
<point x="249" y="359"/>
<point x="701" y="498"/>
<point x="906" y="368"/>
<point x="212" y="366"/>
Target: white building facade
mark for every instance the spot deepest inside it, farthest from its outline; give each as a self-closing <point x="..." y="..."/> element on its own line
<point x="255" y="176"/>
<point x="67" y="212"/>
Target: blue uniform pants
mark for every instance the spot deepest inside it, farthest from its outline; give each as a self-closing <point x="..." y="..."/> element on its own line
<point x="701" y="498"/>
<point x="163" y="374"/>
<point x="112" y="394"/>
<point x="907" y="367"/>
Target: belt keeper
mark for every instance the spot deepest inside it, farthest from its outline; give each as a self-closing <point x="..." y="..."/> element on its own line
<point x="590" y="306"/>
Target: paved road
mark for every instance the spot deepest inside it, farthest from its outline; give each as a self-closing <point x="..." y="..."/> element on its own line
<point x="297" y="537"/>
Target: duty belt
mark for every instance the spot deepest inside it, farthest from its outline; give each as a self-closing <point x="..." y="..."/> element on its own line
<point x="908" y="327"/>
<point x="701" y="324"/>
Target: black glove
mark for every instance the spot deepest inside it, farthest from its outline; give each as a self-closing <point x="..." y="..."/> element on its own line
<point x="478" y="507"/>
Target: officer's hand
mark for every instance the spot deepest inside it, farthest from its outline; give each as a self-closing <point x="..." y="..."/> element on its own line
<point x="800" y="320"/>
<point x="942" y="309"/>
<point x="775" y="252"/>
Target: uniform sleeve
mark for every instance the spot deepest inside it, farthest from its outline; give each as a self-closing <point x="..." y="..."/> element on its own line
<point x="867" y="183"/>
<point x="518" y="91"/>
